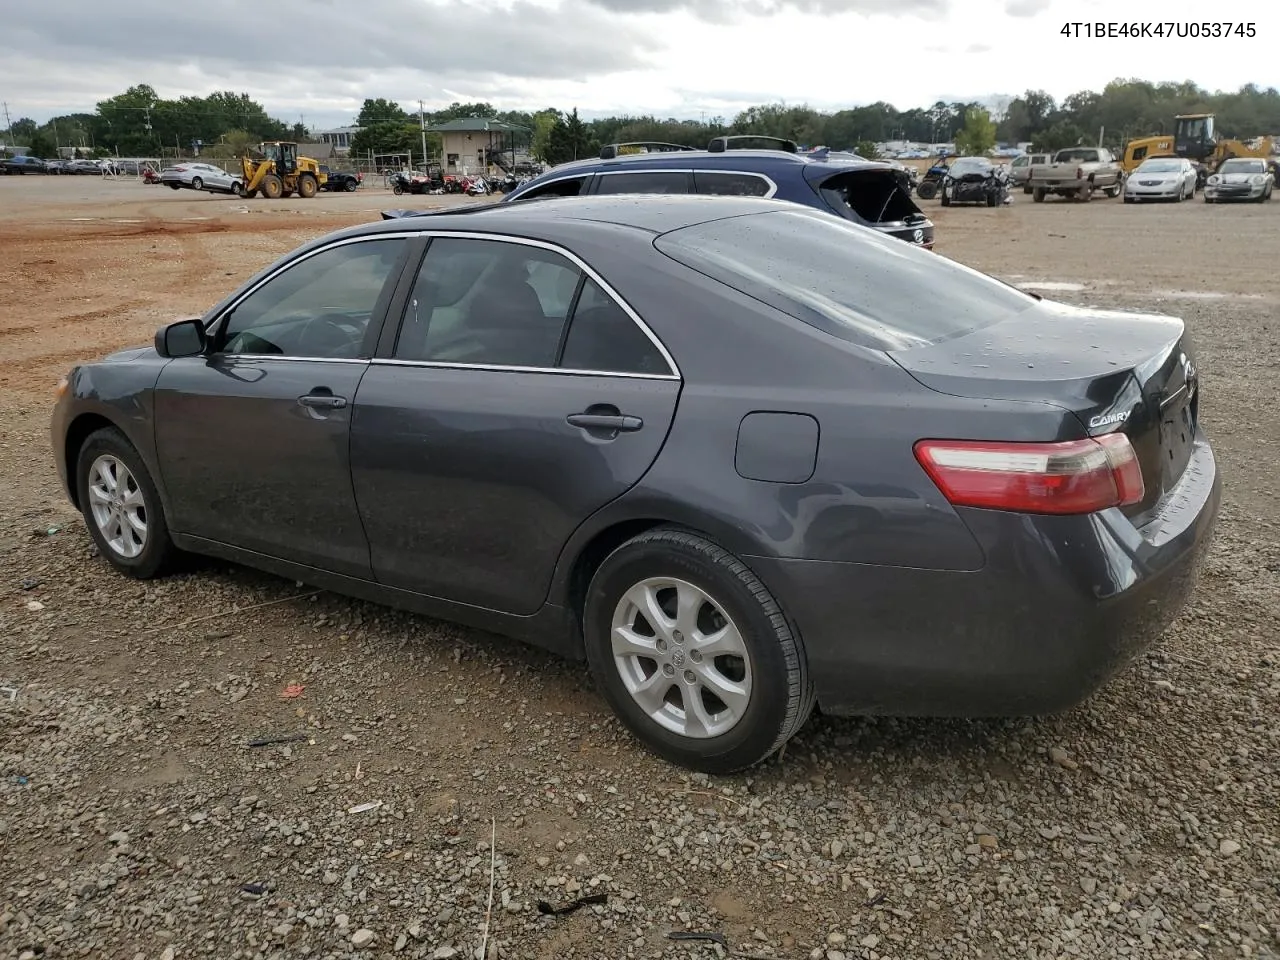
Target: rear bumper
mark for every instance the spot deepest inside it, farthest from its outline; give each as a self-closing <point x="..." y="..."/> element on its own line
<point x="1061" y="605"/>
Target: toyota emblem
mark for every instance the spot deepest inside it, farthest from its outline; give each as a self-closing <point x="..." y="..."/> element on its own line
<point x="919" y="236"/>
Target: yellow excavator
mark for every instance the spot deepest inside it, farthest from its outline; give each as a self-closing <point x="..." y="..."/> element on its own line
<point x="1194" y="138"/>
<point x="277" y="171"/>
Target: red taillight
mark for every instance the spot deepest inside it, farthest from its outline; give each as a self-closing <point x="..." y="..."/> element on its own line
<point x="1076" y="476"/>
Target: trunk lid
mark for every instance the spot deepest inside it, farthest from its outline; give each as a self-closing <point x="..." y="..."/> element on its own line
<point x="1131" y="372"/>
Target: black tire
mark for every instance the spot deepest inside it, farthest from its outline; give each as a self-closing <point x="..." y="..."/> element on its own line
<point x="782" y="695"/>
<point x="197" y="183"/>
<point x="272" y="187"/>
<point x="350" y="186"/>
<point x="1038" y="195"/>
<point x="397" y="190"/>
<point x="946" y="199"/>
<point x="158" y="553"/>
<point x="174" y="186"/>
<point x="927" y="190"/>
<point x="992" y="199"/>
<point x="1026" y="189"/>
<point x="307" y="186"/>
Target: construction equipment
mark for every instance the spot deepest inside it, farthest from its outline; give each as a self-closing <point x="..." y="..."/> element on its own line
<point x="1194" y="138"/>
<point x="277" y="171"/>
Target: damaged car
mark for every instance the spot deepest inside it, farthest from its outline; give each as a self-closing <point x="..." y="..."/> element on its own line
<point x="975" y="180"/>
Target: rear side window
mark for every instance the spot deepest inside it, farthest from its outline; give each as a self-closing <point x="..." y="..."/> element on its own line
<point x="851" y="282"/>
<point x="602" y="336"/>
<point x="656" y="181"/>
<point x="730" y="184"/>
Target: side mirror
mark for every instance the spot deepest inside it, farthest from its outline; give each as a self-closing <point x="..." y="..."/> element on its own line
<point x="186" y="338"/>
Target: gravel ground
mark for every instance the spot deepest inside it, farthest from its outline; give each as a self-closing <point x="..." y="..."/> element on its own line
<point x="138" y="821"/>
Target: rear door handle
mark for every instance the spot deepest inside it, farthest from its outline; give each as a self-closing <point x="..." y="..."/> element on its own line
<point x="604" y="421"/>
<point x="323" y="401"/>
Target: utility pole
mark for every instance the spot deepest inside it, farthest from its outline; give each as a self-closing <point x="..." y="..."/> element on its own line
<point x="422" y="121"/>
<point x="8" y="126"/>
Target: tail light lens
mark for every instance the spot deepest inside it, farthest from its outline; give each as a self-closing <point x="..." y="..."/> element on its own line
<point x="1073" y="477"/>
<point x="1079" y="173"/>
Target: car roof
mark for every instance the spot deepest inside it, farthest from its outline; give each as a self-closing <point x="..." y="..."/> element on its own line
<point x="649" y="213"/>
<point x="762" y="160"/>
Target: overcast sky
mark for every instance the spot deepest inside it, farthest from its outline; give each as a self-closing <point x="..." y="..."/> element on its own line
<point x="321" y="58"/>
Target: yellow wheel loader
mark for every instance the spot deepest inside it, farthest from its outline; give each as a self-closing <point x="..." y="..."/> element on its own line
<point x="277" y="171"/>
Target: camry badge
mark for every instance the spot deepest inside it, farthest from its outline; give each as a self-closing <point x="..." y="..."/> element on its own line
<point x="1107" y="419"/>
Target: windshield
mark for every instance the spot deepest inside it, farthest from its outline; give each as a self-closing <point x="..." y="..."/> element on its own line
<point x="970" y="165"/>
<point x="849" y="281"/>
<point x="1244" y="166"/>
<point x="1160" y="166"/>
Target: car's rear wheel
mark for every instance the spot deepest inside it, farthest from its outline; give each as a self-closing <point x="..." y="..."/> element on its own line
<point x="121" y="506"/>
<point x="351" y="186"/>
<point x="197" y="183"/>
<point x="694" y="654"/>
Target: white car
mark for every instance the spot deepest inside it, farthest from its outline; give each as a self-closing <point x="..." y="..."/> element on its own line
<point x="1240" y="179"/>
<point x="1161" y="178"/>
<point x="200" y="176"/>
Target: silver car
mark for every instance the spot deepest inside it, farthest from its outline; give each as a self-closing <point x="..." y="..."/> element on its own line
<point x="200" y="176"/>
<point x="1240" y="179"/>
<point x="1020" y="168"/>
<point x="1161" y="178"/>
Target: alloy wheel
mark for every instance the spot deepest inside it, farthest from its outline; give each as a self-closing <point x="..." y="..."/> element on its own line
<point x="118" y="506"/>
<point x="681" y="657"/>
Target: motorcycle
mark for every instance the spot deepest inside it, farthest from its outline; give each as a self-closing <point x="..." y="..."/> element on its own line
<point x="149" y="175"/>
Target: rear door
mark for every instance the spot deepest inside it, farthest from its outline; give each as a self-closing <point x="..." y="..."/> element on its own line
<point x="518" y="397"/>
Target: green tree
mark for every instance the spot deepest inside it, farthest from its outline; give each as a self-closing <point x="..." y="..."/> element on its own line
<point x="978" y="135"/>
<point x="374" y="111"/>
<point x="23" y="130"/>
<point x="569" y="140"/>
<point x="40" y="144"/>
<point x="867" y="149"/>
<point x="543" y="123"/>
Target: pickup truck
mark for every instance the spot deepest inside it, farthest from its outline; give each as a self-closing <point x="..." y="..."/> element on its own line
<point x="1077" y="172"/>
<point x="340" y="179"/>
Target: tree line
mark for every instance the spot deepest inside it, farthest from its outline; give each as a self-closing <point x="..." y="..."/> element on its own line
<point x="139" y="122"/>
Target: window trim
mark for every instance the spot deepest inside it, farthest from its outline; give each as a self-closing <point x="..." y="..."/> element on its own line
<point x="214" y="326"/>
<point x="672" y="367"/>
<point x="771" y="185"/>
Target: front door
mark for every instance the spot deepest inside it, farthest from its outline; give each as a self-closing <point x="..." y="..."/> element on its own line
<point x="520" y="398"/>
<point x="253" y="438"/>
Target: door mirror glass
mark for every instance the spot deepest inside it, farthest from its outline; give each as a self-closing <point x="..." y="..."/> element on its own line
<point x="185" y="338"/>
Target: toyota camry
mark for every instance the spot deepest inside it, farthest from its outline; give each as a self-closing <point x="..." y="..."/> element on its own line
<point x="742" y="458"/>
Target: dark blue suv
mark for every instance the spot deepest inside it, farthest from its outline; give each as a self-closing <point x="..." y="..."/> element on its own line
<point x="873" y="194"/>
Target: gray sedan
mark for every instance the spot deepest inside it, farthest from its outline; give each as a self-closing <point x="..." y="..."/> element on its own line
<point x="200" y="176"/>
<point x="742" y="457"/>
<point x="1161" y="178"/>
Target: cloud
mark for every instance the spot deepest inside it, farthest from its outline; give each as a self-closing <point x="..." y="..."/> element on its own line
<point x="729" y="11"/>
<point x="321" y="38"/>
<point x="1026" y="8"/>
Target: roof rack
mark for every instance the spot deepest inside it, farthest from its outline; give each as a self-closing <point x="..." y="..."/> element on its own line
<point x="721" y="144"/>
<point x="612" y="150"/>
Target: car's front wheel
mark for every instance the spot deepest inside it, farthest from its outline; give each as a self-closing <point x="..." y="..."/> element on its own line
<point x="121" y="506"/>
<point x="694" y="654"/>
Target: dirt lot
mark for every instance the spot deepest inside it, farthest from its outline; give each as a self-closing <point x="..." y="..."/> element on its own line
<point x="136" y="822"/>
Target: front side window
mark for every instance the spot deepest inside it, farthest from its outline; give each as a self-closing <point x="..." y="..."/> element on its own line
<point x="320" y="307"/>
<point x="568" y="187"/>
<point x="853" y="283"/>
<point x="657" y="181"/>
<point x="488" y="302"/>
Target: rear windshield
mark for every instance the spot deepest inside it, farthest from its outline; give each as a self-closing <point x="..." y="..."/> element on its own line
<point x="848" y="280"/>
<point x="876" y="196"/>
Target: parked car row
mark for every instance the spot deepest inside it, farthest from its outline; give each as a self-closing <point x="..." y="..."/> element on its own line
<point x="21" y="165"/>
<point x="1081" y="172"/>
